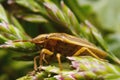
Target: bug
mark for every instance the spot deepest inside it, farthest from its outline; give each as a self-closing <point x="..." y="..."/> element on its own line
<point x="62" y="44"/>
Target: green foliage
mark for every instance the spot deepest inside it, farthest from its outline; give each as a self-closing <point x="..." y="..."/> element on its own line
<point x="106" y="12"/>
<point x="90" y="19"/>
<point x="85" y="67"/>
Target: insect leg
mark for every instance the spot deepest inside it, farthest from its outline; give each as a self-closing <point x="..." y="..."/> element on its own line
<point x="59" y="60"/>
<point x="44" y="59"/>
<point x="81" y="50"/>
<point x="46" y="51"/>
<point x="35" y="62"/>
<point x="42" y="55"/>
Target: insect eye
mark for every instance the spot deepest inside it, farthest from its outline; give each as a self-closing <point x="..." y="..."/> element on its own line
<point x="46" y="37"/>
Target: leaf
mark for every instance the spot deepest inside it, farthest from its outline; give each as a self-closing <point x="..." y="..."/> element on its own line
<point x="38" y="76"/>
<point x="15" y="22"/>
<point x="114" y="43"/>
<point x="32" y="5"/>
<point x="88" y="63"/>
<point x="54" y="13"/>
<point x="71" y="20"/>
<point x="3" y="14"/>
<point x="83" y="68"/>
<point x="33" y="18"/>
<point x="112" y="77"/>
<point x="2" y="39"/>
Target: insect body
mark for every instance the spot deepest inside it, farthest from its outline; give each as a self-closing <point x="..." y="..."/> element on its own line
<point x="67" y="45"/>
